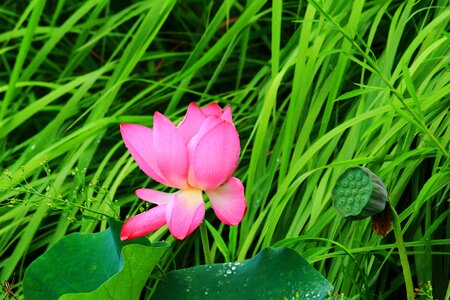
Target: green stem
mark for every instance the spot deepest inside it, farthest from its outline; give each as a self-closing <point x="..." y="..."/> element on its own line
<point x="403" y="255"/>
<point x="205" y="243"/>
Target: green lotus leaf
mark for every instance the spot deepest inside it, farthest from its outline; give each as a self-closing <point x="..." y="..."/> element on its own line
<point x="93" y="266"/>
<point x="279" y="273"/>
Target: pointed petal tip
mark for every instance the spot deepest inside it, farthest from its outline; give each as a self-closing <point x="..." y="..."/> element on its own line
<point x="191" y="122"/>
<point x="158" y="117"/>
<point x="138" y="140"/>
<point x="123" y="234"/>
<point x="144" y="223"/>
<point x="123" y="127"/>
<point x="227" y="115"/>
<point x="212" y="109"/>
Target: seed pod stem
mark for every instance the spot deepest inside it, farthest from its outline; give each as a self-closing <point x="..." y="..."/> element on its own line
<point x="403" y="255"/>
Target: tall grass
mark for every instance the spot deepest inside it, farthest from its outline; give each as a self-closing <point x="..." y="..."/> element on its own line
<point x="315" y="87"/>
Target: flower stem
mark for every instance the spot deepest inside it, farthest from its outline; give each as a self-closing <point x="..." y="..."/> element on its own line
<point x="205" y="243"/>
<point x="403" y="255"/>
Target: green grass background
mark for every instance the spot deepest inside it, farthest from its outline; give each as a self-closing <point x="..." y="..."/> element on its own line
<point x="316" y="86"/>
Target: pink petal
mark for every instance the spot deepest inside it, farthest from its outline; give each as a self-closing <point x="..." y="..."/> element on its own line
<point x="227" y="116"/>
<point x="144" y="223"/>
<point x="139" y="141"/>
<point x="209" y="123"/>
<point x="228" y="202"/>
<point x="185" y="213"/>
<point x="170" y="151"/>
<point x="212" y="109"/>
<point x="191" y="123"/>
<point x="213" y="155"/>
<point x="153" y="196"/>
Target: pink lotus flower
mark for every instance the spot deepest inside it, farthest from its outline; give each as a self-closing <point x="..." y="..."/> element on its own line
<point x="200" y="154"/>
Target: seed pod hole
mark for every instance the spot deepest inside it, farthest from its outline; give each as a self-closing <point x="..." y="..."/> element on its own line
<point x="359" y="193"/>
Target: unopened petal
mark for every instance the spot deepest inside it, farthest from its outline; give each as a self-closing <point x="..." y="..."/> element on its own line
<point x="227" y="115"/>
<point x="154" y="196"/>
<point x="209" y="123"/>
<point x="212" y="109"/>
<point x="170" y="151"/>
<point x="228" y="202"/>
<point x="213" y="157"/>
<point x="144" y="223"/>
<point x="139" y="141"/>
<point x="191" y="123"/>
<point x="185" y="213"/>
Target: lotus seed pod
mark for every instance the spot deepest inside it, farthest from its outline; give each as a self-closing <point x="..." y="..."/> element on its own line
<point x="359" y="193"/>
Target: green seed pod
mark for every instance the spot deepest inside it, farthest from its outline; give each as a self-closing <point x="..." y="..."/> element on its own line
<point x="359" y="193"/>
